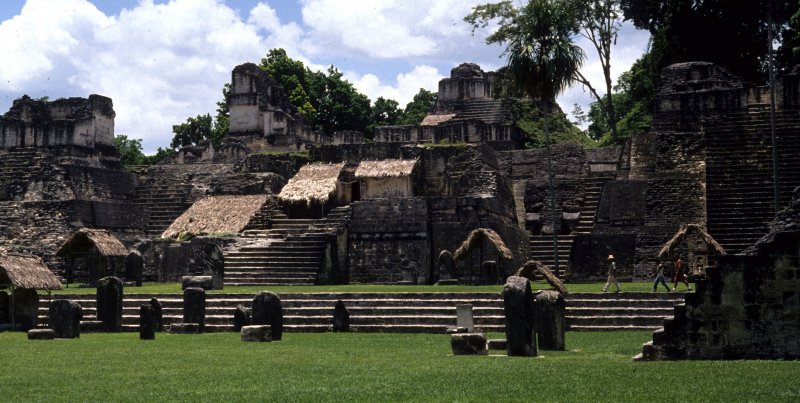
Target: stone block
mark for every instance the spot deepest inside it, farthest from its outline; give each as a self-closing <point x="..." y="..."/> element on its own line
<point x="194" y="306"/>
<point x="204" y="282"/>
<point x="468" y="344"/>
<point x="133" y="267"/>
<point x="518" y="308"/>
<point x="550" y="311"/>
<point x="91" y="326"/>
<point x="455" y="330"/>
<point x="256" y="333"/>
<point x="147" y="329"/>
<point x="267" y="310"/>
<point x="184" y="328"/>
<point x="26" y="307"/>
<point x="64" y="317"/>
<point x="464" y="317"/>
<point x="109" y="303"/>
<point x="341" y="317"/>
<point x="448" y="282"/>
<point x="241" y="318"/>
<point x="41" y="334"/>
<point x="497" y="344"/>
<point x="158" y="316"/>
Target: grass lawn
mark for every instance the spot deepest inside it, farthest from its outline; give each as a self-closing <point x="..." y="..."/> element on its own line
<point x="369" y="367"/>
<point x="166" y="288"/>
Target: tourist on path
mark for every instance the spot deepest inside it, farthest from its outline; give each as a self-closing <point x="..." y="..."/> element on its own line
<point x="612" y="274"/>
<point x="659" y="273"/>
<point x="680" y="276"/>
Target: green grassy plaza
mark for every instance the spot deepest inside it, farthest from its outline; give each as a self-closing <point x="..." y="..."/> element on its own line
<point x="175" y="288"/>
<point x="369" y="367"/>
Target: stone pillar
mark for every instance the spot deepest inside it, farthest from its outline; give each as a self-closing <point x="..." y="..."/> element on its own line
<point x="133" y="267"/>
<point x="64" y="317"/>
<point x="194" y="306"/>
<point x="468" y="344"/>
<point x="464" y="317"/>
<point x="240" y="318"/>
<point x="267" y="310"/>
<point x="109" y="303"/>
<point x="518" y="307"/>
<point x="147" y="330"/>
<point x="341" y="317"/>
<point x="550" y="311"/>
<point x="26" y="307"/>
<point x="158" y="317"/>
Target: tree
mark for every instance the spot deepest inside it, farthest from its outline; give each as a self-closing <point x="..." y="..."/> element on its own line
<point x="385" y="112"/>
<point x="543" y="60"/>
<point x="292" y="76"/>
<point x="419" y="107"/>
<point x="598" y="21"/>
<point x="130" y="150"/>
<point x="195" y="131"/>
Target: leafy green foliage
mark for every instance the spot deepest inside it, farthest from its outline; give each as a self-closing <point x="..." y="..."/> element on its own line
<point x="130" y="150"/>
<point x="530" y="119"/>
<point x="386" y="112"/>
<point x="195" y="131"/>
<point x="419" y="107"/>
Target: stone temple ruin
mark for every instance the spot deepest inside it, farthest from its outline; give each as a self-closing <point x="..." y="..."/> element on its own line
<point x="338" y="209"/>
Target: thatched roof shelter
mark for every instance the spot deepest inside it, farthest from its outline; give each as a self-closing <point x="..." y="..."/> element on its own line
<point x="313" y="183"/>
<point x="474" y="241"/>
<point x="533" y="266"/>
<point x="27" y="271"/>
<point x="433" y="120"/>
<point x="385" y="168"/>
<point x="85" y="238"/>
<point x="673" y="244"/>
<point x="216" y="214"/>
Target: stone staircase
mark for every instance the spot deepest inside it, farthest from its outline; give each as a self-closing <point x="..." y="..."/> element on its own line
<point x="402" y="312"/>
<point x="486" y="110"/>
<point x="740" y="201"/>
<point x="541" y="249"/>
<point x="163" y="204"/>
<point x="291" y="252"/>
<point x="593" y="186"/>
<point x="16" y="169"/>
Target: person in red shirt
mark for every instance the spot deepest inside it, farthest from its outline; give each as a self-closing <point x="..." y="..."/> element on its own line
<point x="680" y="275"/>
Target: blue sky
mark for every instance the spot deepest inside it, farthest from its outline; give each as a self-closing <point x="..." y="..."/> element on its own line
<point x="162" y="61"/>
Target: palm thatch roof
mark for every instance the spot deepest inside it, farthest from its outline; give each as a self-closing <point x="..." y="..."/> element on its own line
<point x="673" y="244"/>
<point x="216" y="214"/>
<point x="531" y="267"/>
<point x="474" y="240"/>
<point x="385" y="168"/>
<point x="312" y="183"/>
<point x="433" y="120"/>
<point x="27" y="271"/>
<point x="85" y="238"/>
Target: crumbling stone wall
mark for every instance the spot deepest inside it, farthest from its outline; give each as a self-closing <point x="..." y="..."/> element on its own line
<point x="747" y="307"/>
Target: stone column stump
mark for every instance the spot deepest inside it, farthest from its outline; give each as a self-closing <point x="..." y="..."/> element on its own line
<point x="267" y="310"/>
<point x="551" y="319"/>
<point x="518" y="307"/>
<point x="64" y="317"/>
<point x="109" y="303"/>
<point x="194" y="306"/>
<point x="341" y="317"/>
<point x="147" y="328"/>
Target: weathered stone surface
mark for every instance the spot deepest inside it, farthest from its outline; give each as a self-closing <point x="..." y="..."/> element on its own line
<point x="5" y="307"/>
<point x="41" y="334"/>
<point x="464" y="317"/>
<point x="26" y="307"/>
<point x="194" y="306"/>
<point x="185" y="328"/>
<point x="241" y="318"/>
<point x="64" y="317"/>
<point x="147" y="328"/>
<point x="497" y="344"/>
<point x="551" y="320"/>
<point x="133" y="267"/>
<point x="204" y="282"/>
<point x="446" y="266"/>
<point x="518" y="307"/>
<point x="341" y="317"/>
<point x="158" y="316"/>
<point x="256" y="333"/>
<point x="267" y="310"/>
<point x="210" y="262"/>
<point x="109" y="303"/>
<point x="468" y="344"/>
<point x="91" y="326"/>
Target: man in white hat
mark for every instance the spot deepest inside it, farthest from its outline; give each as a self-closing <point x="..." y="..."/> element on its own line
<point x="612" y="274"/>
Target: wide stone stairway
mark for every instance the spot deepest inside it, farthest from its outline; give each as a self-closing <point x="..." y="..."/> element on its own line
<point x="740" y="201"/>
<point x="541" y="246"/>
<point x="291" y="252"/>
<point x="163" y="204"/>
<point x="16" y="169"/>
<point x="402" y="312"/>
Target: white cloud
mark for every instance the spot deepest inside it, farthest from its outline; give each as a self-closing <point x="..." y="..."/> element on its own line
<point x="405" y="87"/>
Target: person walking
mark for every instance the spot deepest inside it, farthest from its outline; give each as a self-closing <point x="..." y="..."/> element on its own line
<point x="659" y="273"/>
<point x="612" y="274"/>
<point x="680" y="275"/>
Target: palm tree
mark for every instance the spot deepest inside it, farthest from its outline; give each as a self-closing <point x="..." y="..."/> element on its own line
<point x="543" y="61"/>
